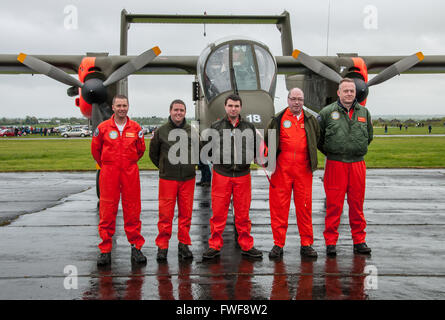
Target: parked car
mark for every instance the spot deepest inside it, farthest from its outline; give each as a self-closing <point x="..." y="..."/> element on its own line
<point x="76" y="132"/>
<point x="62" y="129"/>
<point x="7" y="133"/>
<point x="145" y="130"/>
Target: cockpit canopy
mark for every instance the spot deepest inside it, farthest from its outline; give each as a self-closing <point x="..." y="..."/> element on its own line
<point x="236" y="64"/>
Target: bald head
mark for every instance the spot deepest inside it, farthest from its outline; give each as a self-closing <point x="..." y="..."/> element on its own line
<point x="295" y="100"/>
<point x="295" y="90"/>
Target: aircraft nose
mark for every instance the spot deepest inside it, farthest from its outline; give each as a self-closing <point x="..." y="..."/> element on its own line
<point x="258" y="108"/>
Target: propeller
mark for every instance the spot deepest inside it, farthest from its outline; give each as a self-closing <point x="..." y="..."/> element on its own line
<point x="48" y="70"/>
<point x="361" y="87"/>
<point x="316" y="66"/>
<point x="396" y="69"/>
<point x="93" y="90"/>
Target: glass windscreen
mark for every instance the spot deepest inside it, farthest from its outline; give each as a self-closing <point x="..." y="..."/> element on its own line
<point x="244" y="67"/>
<point x="266" y="68"/>
<point x="217" y="73"/>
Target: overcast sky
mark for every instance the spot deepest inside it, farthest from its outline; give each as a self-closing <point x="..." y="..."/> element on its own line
<point x="39" y="27"/>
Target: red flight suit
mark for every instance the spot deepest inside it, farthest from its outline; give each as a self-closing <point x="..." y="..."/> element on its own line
<point x="176" y="183"/>
<point x="293" y="173"/>
<point x="341" y="178"/>
<point x="222" y="189"/>
<point x="228" y="180"/>
<point x="117" y="155"/>
<point x="169" y="191"/>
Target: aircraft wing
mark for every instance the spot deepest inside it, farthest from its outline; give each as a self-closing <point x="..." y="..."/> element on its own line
<point x="375" y="64"/>
<point x="10" y="65"/>
<point x="171" y="65"/>
<point x="289" y="65"/>
<point x="430" y="64"/>
<point x="70" y="63"/>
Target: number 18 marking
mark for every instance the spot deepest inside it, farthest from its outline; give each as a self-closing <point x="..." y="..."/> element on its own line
<point x="254" y="118"/>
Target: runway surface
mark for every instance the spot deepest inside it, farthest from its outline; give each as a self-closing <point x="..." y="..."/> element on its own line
<point x="49" y="245"/>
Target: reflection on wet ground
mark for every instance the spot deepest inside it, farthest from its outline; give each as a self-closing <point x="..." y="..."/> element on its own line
<point x="244" y="284"/>
<point x="216" y="283"/>
<point x="405" y="210"/>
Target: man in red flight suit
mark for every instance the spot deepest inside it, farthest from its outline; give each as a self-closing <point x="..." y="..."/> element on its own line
<point x="117" y="145"/>
<point x="231" y="175"/>
<point x="346" y="131"/>
<point x="297" y="133"/>
<point x="176" y="182"/>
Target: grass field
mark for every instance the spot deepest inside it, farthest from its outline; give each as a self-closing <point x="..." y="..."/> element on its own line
<point x="45" y="155"/>
<point x="50" y="155"/>
<point x="74" y="154"/>
<point x="409" y="152"/>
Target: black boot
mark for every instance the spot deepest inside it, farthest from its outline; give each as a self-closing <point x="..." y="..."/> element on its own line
<point x="331" y="251"/>
<point x="362" y="248"/>
<point x="308" y="252"/>
<point x="184" y="251"/>
<point x="276" y="252"/>
<point x="162" y="255"/>
<point x="137" y="256"/>
<point x="253" y="253"/>
<point x="104" y="259"/>
<point x="210" y="253"/>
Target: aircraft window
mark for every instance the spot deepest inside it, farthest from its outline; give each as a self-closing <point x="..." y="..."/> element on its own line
<point x="266" y="68"/>
<point x="217" y="73"/>
<point x="244" y="67"/>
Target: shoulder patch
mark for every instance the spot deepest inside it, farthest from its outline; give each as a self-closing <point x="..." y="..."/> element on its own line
<point x="140" y="134"/>
<point x="287" y="124"/>
<point x="335" y="115"/>
<point x="113" y="134"/>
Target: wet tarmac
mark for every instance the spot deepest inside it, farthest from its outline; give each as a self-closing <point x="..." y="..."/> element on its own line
<point x="51" y="253"/>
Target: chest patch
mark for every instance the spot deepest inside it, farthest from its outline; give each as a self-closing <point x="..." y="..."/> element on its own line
<point x="130" y="134"/>
<point x="287" y="124"/>
<point x="113" y="134"/>
<point x="361" y="119"/>
<point x="335" y="115"/>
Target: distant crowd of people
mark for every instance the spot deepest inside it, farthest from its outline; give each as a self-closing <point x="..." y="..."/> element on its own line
<point x="400" y="126"/>
<point x="20" y="131"/>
